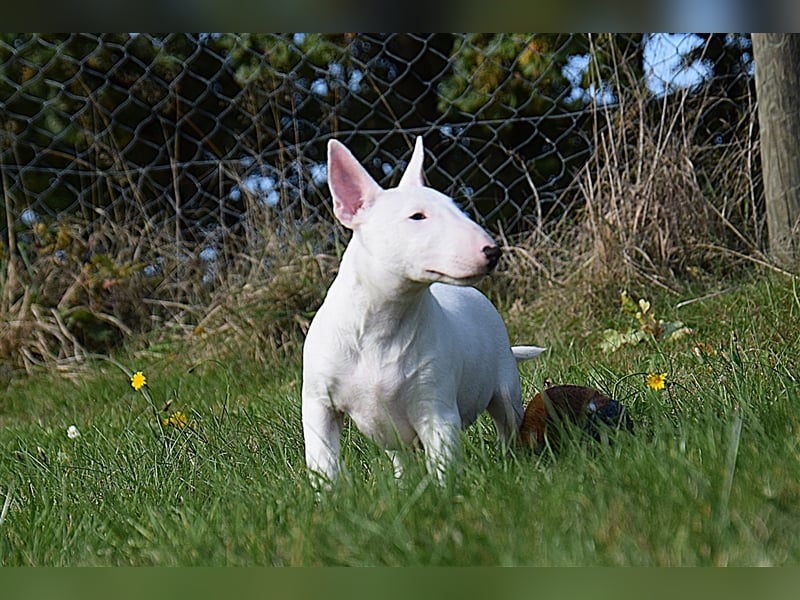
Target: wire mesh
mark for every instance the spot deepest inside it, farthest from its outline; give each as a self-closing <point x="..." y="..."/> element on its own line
<point x="203" y="139"/>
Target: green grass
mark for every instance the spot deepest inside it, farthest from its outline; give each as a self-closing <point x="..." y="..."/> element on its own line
<point x="710" y="476"/>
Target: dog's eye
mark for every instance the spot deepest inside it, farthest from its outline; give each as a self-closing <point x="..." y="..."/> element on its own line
<point x="418" y="216"/>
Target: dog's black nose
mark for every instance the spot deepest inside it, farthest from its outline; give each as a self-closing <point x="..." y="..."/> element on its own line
<point x="492" y="253"/>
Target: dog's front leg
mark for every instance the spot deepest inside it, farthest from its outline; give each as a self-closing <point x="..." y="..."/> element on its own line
<point x="440" y="439"/>
<point x="397" y="464"/>
<point x="322" y="430"/>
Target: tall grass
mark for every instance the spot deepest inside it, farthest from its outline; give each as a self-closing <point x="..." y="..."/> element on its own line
<point x="660" y="203"/>
<point x="708" y="477"/>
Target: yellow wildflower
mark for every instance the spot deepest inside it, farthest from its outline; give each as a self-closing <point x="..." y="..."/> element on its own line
<point x="138" y="380"/>
<point x="657" y="381"/>
<point x="176" y="419"/>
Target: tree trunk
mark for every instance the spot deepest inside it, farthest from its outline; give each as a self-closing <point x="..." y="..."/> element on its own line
<point x="777" y="66"/>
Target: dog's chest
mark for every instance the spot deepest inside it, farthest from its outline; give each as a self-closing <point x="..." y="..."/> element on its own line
<point x="377" y="395"/>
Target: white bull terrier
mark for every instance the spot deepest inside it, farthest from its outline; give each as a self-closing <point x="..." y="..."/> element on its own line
<point x="402" y="343"/>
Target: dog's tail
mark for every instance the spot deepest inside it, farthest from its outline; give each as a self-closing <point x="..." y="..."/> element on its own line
<point x="526" y="352"/>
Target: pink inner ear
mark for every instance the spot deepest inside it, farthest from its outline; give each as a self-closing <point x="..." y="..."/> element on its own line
<point x="346" y="195"/>
<point x="351" y="186"/>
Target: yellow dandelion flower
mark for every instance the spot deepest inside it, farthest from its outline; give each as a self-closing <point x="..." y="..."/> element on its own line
<point x="176" y="419"/>
<point x="138" y="380"/>
<point x="657" y="381"/>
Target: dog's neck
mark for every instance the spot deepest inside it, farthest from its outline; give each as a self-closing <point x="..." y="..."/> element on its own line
<point x="380" y="301"/>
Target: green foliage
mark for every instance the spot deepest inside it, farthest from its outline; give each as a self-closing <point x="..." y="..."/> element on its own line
<point x="647" y="326"/>
<point x="497" y="74"/>
<point x="252" y="53"/>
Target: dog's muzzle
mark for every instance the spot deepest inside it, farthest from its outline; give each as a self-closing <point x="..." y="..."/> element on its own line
<point x="493" y="254"/>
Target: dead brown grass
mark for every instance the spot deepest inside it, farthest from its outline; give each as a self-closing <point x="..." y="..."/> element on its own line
<point x="659" y="204"/>
<point x="74" y="289"/>
<point x="264" y="308"/>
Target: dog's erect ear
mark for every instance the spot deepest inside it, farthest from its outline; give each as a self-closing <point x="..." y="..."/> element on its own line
<point x="351" y="186"/>
<point x="413" y="173"/>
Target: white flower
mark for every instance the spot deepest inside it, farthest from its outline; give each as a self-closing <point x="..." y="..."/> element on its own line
<point x="72" y="432"/>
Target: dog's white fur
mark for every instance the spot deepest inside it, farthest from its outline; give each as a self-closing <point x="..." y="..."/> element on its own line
<point x="401" y="343"/>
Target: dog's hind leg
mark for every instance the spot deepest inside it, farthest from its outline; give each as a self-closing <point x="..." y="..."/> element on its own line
<point x="505" y="408"/>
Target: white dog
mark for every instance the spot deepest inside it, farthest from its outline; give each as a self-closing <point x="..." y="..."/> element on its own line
<point x="396" y="345"/>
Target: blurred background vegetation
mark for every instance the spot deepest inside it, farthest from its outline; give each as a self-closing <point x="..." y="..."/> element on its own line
<point x="175" y="184"/>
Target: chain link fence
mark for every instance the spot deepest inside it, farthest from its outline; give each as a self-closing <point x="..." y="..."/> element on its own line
<point x="197" y="142"/>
